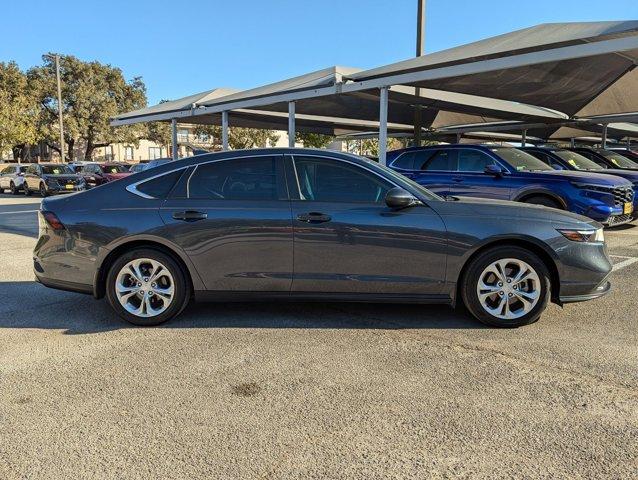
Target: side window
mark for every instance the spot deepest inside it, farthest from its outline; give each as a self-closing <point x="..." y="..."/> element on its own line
<point x="441" y="160"/>
<point x="256" y="178"/>
<point x="324" y="180"/>
<point x="161" y="186"/>
<point x="405" y="161"/>
<point x="474" y="161"/>
<point x="31" y="169"/>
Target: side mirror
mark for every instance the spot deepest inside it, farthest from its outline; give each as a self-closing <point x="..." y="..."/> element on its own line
<point x="494" y="170"/>
<point x="398" y="198"/>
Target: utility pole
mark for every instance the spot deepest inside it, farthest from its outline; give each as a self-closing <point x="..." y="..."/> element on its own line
<point x="420" y="18"/>
<point x="57" y="77"/>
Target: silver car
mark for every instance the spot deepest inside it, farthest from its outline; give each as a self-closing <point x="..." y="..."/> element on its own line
<point x="12" y="178"/>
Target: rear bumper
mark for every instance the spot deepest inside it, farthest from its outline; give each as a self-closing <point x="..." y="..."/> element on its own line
<point x="64" y="285"/>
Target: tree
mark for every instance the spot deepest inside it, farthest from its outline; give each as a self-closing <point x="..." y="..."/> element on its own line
<point x="370" y="146"/>
<point x="238" y="137"/>
<point x="159" y="132"/>
<point x="313" y="140"/>
<point x="18" y="111"/>
<point x="92" y="93"/>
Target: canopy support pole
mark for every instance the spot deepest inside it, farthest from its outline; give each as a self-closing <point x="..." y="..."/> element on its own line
<point x="628" y="143"/>
<point x="572" y="142"/>
<point x="174" y="138"/>
<point x="524" y="138"/>
<point x="458" y="137"/>
<point x="604" y="142"/>
<point x="291" y="124"/>
<point x="225" y="130"/>
<point x="383" y="125"/>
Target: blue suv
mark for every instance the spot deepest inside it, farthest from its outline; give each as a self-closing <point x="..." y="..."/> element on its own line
<point x="506" y="173"/>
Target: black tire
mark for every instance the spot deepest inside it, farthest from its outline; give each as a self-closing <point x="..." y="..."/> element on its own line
<point x="182" y="286"/>
<point x="472" y="274"/>
<point x="26" y="190"/>
<point x="545" y="201"/>
<point x="13" y="189"/>
<point x="43" y="190"/>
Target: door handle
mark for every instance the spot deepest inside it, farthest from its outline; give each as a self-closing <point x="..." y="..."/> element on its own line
<point x="190" y="216"/>
<point x="314" y="217"/>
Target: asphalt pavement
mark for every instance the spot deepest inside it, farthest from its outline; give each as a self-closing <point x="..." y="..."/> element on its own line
<point x="311" y="390"/>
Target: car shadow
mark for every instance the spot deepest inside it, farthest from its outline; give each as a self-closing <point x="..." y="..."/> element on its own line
<point x="32" y="305"/>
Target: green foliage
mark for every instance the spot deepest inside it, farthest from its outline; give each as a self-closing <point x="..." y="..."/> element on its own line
<point x="239" y="138"/>
<point x="92" y="93"/>
<point x="313" y="140"/>
<point x="18" y="110"/>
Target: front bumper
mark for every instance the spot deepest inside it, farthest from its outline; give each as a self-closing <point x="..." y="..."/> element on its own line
<point x="60" y="189"/>
<point x="601" y="290"/>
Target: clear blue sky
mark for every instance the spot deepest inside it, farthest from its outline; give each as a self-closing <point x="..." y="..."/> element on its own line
<point x="184" y="47"/>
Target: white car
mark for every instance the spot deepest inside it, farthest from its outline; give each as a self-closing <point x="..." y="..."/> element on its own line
<point x="12" y="178"/>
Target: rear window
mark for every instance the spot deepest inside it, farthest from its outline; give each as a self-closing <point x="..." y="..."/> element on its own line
<point x="618" y="160"/>
<point x="161" y="186"/>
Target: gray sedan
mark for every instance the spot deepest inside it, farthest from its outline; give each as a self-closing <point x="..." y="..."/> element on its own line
<point x="297" y="224"/>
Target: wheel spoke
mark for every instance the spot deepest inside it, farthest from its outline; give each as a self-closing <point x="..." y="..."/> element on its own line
<point x="144" y="272"/>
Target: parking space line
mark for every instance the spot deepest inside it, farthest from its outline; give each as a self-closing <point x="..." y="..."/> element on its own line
<point x="625" y="263"/>
<point x="18" y="211"/>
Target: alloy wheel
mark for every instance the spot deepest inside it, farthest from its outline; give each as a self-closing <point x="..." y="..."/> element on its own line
<point x="508" y="288"/>
<point x="144" y="287"/>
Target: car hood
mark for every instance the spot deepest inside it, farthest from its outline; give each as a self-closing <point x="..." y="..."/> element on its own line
<point x="630" y="175"/>
<point x="115" y="176"/>
<point x="602" y="179"/>
<point x="61" y="177"/>
<point x="503" y="209"/>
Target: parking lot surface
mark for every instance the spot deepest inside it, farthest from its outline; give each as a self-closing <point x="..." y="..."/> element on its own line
<point x="311" y="390"/>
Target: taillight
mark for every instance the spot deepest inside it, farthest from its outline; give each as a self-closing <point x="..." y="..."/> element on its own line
<point x="52" y="220"/>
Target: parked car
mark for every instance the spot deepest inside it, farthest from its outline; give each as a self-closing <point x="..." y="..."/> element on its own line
<point x="222" y="227"/>
<point x="563" y="159"/>
<point x="96" y="174"/>
<point x="606" y="158"/>
<point x="137" y="167"/>
<point x="51" y="178"/>
<point x="12" y="178"/>
<point x="77" y="165"/>
<point x="506" y="173"/>
<point x="630" y="154"/>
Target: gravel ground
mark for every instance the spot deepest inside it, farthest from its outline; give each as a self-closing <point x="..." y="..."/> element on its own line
<point x="311" y="390"/>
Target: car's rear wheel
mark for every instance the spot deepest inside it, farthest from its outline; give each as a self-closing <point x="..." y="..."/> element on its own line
<point x="147" y="287"/>
<point x="545" y="201"/>
<point x="26" y="190"/>
<point x="43" y="190"/>
<point x="13" y="189"/>
<point x="506" y="287"/>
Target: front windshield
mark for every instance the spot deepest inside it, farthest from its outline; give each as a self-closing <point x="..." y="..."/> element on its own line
<point x="577" y="161"/>
<point x="618" y="160"/>
<point x="115" y="168"/>
<point x="56" y="170"/>
<point x="521" y="161"/>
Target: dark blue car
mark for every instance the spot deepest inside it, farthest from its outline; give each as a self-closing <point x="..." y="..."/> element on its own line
<point x="506" y="173"/>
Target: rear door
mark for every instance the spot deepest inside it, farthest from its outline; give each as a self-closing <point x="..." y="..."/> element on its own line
<point x="233" y="219"/>
<point x="349" y="242"/>
<point x="472" y="180"/>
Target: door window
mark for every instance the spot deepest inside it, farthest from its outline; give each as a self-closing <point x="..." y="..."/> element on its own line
<point x="474" y="160"/>
<point x="238" y="179"/>
<point x="441" y="160"/>
<point x="323" y="180"/>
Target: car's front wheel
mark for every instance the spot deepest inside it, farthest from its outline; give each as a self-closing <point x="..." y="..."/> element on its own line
<point x="147" y="287"/>
<point x="506" y="286"/>
<point x="43" y="190"/>
<point x="13" y="189"/>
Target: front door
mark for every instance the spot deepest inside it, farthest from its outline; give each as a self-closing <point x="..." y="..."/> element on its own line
<point x="348" y="241"/>
<point x="471" y="180"/>
<point x="232" y="218"/>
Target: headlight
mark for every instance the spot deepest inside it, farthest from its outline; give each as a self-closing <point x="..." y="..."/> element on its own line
<point x="590" y="236"/>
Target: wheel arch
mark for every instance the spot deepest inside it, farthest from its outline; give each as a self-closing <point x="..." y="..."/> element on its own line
<point x="541" y="192"/>
<point x="99" y="283"/>
<point x="542" y="251"/>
